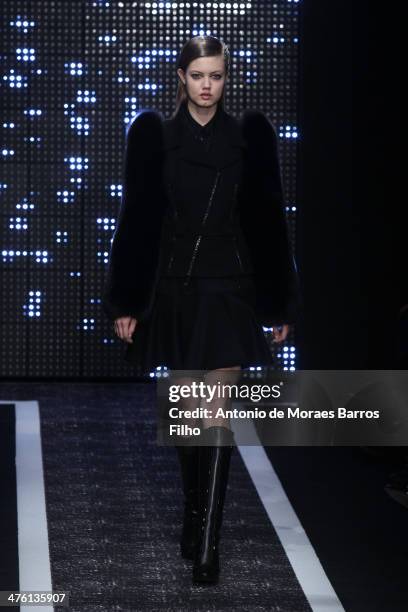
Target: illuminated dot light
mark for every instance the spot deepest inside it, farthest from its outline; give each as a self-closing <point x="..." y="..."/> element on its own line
<point x="77" y="163"/>
<point x="25" y="204"/>
<point x="33" y="112"/>
<point x="288" y="132"/>
<point x="202" y="32"/>
<point x="106" y="223"/>
<point x="275" y="40"/>
<point x="32" y="309"/>
<point x="22" y="24"/>
<point x="151" y="56"/>
<point x="288" y="357"/>
<point x="61" y="236"/>
<point x="9" y="125"/>
<point x="107" y="38"/>
<point x="80" y="124"/>
<point x="102" y="256"/>
<point x="248" y="56"/>
<point x="75" y="68"/>
<point x="86" y="96"/>
<point x="147" y="86"/>
<point x="18" y="223"/>
<point x="15" y="80"/>
<point x="88" y="324"/>
<point x="122" y="79"/>
<point x="65" y="197"/>
<point x="41" y="256"/>
<point x="25" y="55"/>
<point x="7" y="152"/>
<point x="33" y="139"/>
<point x="130" y="112"/>
<point x="110" y="340"/>
<point x="115" y="190"/>
<point x="10" y="255"/>
<point x="159" y="372"/>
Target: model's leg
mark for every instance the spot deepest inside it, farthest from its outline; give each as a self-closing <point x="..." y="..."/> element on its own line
<point x="217" y="443"/>
<point x="224" y="380"/>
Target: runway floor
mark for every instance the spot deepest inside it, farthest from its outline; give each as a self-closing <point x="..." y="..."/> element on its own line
<point x="92" y="505"/>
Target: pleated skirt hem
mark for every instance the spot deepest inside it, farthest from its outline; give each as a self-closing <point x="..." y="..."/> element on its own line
<point x="209" y="324"/>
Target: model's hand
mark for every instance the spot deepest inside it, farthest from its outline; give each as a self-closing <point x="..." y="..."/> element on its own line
<point x="124" y="328"/>
<point x="280" y="333"/>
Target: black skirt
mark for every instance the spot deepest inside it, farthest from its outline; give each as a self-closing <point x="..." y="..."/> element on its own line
<point x="209" y="324"/>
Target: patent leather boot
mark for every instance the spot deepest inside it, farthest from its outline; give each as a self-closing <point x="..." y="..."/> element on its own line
<point x="214" y="463"/>
<point x="188" y="457"/>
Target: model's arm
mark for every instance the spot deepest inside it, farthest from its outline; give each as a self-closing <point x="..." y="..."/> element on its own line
<point x="265" y="226"/>
<point x="134" y="251"/>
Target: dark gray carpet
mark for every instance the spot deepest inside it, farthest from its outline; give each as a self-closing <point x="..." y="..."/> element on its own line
<point x="114" y="508"/>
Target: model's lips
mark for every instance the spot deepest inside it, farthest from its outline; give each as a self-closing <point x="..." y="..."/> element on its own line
<point x="205" y="95"/>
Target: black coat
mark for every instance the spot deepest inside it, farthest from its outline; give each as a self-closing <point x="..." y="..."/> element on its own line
<point x="203" y="185"/>
<point x="140" y="249"/>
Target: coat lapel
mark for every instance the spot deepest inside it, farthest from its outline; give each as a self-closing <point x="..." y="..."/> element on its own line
<point x="225" y="151"/>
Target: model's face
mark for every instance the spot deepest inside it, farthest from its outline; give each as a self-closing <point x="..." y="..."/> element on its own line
<point x="205" y="75"/>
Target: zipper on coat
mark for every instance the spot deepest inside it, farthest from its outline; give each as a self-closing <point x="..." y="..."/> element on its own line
<point x="234" y="200"/>
<point x="197" y="244"/>
<point x="237" y="254"/>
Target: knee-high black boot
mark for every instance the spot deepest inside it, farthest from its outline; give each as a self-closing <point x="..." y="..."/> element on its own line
<point x="214" y="462"/>
<point x="188" y="457"/>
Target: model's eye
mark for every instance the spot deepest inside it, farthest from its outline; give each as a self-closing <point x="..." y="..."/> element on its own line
<point x="197" y="76"/>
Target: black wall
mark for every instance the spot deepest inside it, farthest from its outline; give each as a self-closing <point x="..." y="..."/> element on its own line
<point x="346" y="248"/>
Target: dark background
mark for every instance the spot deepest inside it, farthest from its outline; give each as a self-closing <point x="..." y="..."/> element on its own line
<point x="350" y="229"/>
<point x="88" y="75"/>
<point x="336" y="86"/>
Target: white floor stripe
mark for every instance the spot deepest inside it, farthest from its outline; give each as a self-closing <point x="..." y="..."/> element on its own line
<point x="33" y="551"/>
<point x="299" y="550"/>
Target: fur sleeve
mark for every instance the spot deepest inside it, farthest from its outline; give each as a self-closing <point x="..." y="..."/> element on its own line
<point x="134" y="251"/>
<point x="264" y="224"/>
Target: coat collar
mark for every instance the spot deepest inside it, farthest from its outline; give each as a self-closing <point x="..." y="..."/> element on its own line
<point x="229" y="142"/>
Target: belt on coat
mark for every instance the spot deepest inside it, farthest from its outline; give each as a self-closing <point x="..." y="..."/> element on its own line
<point x="208" y="233"/>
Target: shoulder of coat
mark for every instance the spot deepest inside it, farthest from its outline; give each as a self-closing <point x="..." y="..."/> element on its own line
<point x="146" y="127"/>
<point x="145" y="119"/>
<point x="257" y="128"/>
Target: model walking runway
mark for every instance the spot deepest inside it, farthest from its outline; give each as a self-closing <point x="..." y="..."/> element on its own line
<point x="191" y="278"/>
